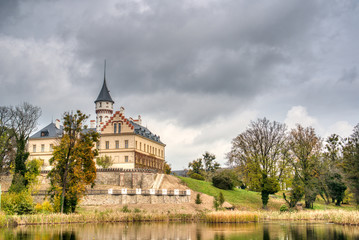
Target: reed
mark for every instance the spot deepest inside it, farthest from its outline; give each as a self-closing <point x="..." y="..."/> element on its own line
<point x="332" y="216"/>
<point x="232" y="217"/>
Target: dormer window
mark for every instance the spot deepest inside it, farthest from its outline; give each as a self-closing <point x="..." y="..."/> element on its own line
<point x="44" y="133"/>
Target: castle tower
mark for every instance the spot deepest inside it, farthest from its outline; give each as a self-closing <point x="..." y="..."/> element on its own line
<point x="103" y="105"/>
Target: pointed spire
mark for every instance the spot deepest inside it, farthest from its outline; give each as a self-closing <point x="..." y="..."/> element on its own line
<point x="104" y="95"/>
<point x="104" y="72"/>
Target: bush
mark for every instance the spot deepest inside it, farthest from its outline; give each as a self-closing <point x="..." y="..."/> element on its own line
<point x="198" y="199"/>
<point x="17" y="203"/>
<point x="45" y="207"/>
<point x="284" y="208"/>
<point x="197" y="176"/>
<point x="125" y="209"/>
<point x="104" y="161"/>
<point x="220" y="199"/>
<point x="222" y="181"/>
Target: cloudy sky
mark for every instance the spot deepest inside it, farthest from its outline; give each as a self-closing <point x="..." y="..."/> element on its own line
<point x="197" y="71"/>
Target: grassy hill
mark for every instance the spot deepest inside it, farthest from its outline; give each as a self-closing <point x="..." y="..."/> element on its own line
<point x="248" y="200"/>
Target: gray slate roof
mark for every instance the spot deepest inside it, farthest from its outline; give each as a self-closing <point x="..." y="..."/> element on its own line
<point x="104" y="95"/>
<point x="143" y="131"/>
<point x="50" y="131"/>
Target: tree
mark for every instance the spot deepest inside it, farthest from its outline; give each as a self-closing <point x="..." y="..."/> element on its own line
<point x="195" y="166"/>
<point x="104" y="161"/>
<point x="296" y="192"/>
<point x="210" y="165"/>
<point x="6" y="137"/>
<point x="305" y="147"/>
<point x="24" y="119"/>
<point x="350" y="163"/>
<point x="73" y="163"/>
<point x="167" y="168"/>
<point x="259" y="152"/>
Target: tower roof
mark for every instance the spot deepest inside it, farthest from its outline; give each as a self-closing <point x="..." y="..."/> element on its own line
<point x="104" y="95"/>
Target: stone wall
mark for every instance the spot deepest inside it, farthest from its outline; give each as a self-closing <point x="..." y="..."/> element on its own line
<point x="107" y="199"/>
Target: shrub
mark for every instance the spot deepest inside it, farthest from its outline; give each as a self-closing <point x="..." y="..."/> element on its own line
<point x="104" y="161"/>
<point x="220" y="199"/>
<point x="222" y="181"/>
<point x="17" y="203"/>
<point x="284" y="208"/>
<point x="45" y="207"/>
<point x="125" y="209"/>
<point x="198" y="199"/>
<point x="216" y="203"/>
<point x="197" y="176"/>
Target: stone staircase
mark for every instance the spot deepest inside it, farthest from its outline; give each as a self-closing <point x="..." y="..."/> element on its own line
<point x="158" y="181"/>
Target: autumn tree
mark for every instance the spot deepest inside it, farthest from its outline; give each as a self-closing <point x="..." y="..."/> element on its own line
<point x="167" y="168"/>
<point x="351" y="162"/>
<point x="305" y="147"/>
<point x="259" y="152"/>
<point x="196" y="166"/>
<point x="73" y="165"/>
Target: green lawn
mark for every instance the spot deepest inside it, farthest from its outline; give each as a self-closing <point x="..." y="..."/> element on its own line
<point x="248" y="200"/>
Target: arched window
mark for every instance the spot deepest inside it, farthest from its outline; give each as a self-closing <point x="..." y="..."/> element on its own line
<point x="115" y="127"/>
<point x="100" y="119"/>
<point x="119" y="128"/>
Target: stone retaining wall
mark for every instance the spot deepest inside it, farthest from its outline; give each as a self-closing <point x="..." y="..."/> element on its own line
<point x="99" y="200"/>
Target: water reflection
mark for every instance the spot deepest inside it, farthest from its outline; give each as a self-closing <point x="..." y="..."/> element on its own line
<point x="200" y="231"/>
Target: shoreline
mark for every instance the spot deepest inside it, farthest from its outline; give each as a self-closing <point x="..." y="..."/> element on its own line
<point x="340" y="217"/>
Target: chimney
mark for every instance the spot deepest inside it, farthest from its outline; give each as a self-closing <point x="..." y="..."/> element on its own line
<point x="57" y="123"/>
<point x="92" y="124"/>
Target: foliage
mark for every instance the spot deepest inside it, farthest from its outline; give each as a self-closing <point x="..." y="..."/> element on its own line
<point x="223" y="181"/>
<point x="210" y="165"/>
<point x="73" y="163"/>
<point x="17" y="203"/>
<point x="220" y="199"/>
<point x="305" y="147"/>
<point x="24" y="119"/>
<point x="197" y="176"/>
<point x="283" y="208"/>
<point x="296" y="192"/>
<point x="215" y="203"/>
<point x="270" y="186"/>
<point x="198" y="199"/>
<point x="351" y="162"/>
<point x="125" y="209"/>
<point x="195" y="166"/>
<point x="45" y="208"/>
<point x="6" y="138"/>
<point x="260" y="153"/>
<point x="104" y="161"/>
<point x="167" y="168"/>
<point x="336" y="187"/>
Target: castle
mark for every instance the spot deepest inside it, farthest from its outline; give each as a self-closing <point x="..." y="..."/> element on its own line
<point x="129" y="144"/>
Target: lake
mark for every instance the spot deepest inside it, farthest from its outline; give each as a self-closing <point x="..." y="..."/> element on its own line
<point x="194" y="231"/>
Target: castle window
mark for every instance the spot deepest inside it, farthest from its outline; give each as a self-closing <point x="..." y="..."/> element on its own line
<point x="100" y="119"/>
<point x="136" y="144"/>
<point x="114" y="127"/>
<point x="44" y="133"/>
<point x="126" y="143"/>
<point x="100" y="104"/>
<point x="144" y="147"/>
<point x="107" y="144"/>
<point x="34" y="148"/>
<point x="148" y="148"/>
<point x="117" y="144"/>
<point x="42" y="147"/>
<point x="51" y="147"/>
<point x="140" y="146"/>
<point x="119" y="128"/>
<point x="126" y="158"/>
<point x="98" y="145"/>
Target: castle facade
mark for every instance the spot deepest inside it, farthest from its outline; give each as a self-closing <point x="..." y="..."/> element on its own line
<point x="129" y="144"/>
